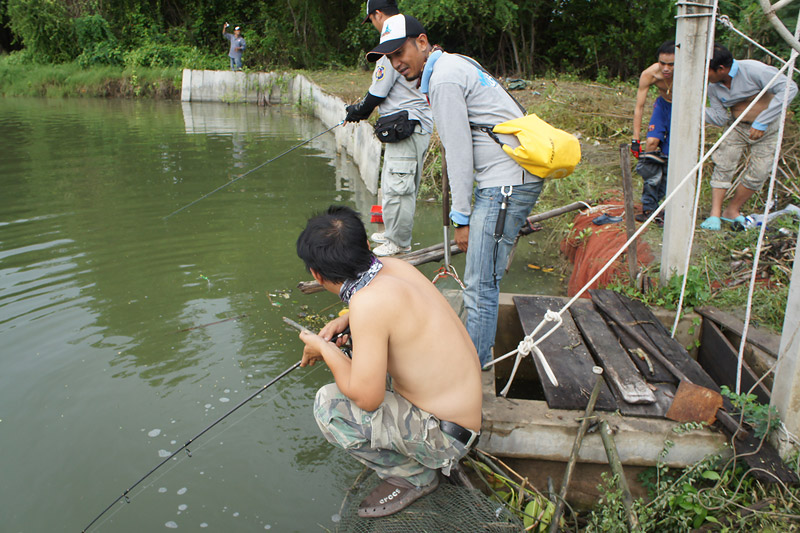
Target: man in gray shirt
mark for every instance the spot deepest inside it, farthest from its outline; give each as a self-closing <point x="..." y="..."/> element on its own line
<point x="402" y="160"/>
<point x="237" y="46"/>
<point x="732" y="86"/>
<point x="462" y="94"/>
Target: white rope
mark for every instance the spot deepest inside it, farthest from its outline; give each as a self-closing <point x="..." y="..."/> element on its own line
<point x="725" y="21"/>
<point x="528" y="345"/>
<point x="760" y="242"/>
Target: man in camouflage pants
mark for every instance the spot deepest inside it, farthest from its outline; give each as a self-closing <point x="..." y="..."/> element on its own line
<point x="432" y="414"/>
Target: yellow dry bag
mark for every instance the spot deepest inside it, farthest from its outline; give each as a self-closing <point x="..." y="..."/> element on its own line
<point x="544" y="150"/>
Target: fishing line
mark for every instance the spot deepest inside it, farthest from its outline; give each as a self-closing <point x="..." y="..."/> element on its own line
<point x="237" y="178"/>
<point x="260" y="390"/>
<point x="130" y="497"/>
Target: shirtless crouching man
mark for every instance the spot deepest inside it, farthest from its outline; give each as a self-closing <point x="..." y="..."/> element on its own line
<point x="403" y="326"/>
<point x="653" y="167"/>
<point x="732" y="86"/>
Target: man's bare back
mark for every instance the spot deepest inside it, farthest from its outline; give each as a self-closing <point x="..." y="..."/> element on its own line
<point x="402" y="325"/>
<point x="431" y="358"/>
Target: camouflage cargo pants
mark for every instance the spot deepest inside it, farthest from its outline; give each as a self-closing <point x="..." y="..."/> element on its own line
<point x="396" y="440"/>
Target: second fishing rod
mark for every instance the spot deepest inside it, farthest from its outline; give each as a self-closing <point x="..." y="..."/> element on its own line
<point x="125" y="494"/>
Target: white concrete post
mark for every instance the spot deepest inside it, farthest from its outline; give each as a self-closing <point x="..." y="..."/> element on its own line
<point x="691" y="43"/>
<point x="786" y="387"/>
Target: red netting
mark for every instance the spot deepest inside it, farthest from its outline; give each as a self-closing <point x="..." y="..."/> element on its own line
<point x="591" y="251"/>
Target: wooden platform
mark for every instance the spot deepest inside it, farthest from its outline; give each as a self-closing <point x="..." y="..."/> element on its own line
<point x="636" y="384"/>
<point x="618" y="333"/>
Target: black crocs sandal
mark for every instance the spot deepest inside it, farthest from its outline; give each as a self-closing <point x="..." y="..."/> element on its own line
<point x="388" y="498"/>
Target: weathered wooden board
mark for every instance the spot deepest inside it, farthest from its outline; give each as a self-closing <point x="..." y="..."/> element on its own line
<point x="655" y="331"/>
<point x="769" y="342"/>
<point x="652" y="370"/>
<point x="567" y="356"/>
<point x="719" y="358"/>
<point x="620" y="371"/>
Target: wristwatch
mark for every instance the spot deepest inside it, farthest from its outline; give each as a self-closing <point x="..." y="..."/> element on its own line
<point x="457" y="225"/>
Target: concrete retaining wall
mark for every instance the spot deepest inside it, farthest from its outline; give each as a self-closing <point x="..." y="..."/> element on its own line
<point x="358" y="140"/>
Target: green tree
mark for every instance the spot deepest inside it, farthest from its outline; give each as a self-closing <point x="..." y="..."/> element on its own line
<point x="45" y="28"/>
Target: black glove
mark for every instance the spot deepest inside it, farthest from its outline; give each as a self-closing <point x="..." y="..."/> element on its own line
<point x="636" y="148"/>
<point x="363" y="109"/>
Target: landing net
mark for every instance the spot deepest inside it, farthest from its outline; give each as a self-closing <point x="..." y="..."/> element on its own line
<point x="448" y="508"/>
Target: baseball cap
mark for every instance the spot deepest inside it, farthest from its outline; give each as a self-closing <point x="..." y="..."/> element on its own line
<point x="395" y="31"/>
<point x="375" y="5"/>
<point x="237" y="28"/>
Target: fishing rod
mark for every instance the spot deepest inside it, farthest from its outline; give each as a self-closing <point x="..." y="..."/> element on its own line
<point x="237" y="178"/>
<point x="124" y="495"/>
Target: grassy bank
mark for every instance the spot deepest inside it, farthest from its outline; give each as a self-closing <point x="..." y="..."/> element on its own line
<point x="69" y="79"/>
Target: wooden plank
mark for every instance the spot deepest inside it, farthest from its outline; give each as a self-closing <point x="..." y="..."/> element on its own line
<point x="664" y="394"/>
<point x="566" y="354"/>
<point x="719" y="358"/>
<point x="767" y="341"/>
<point x="620" y="371"/>
<point x="668" y="346"/>
<point x="659" y="373"/>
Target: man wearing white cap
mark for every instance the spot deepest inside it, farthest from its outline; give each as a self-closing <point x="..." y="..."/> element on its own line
<point x="409" y="126"/>
<point x="237" y="46"/>
<point x="461" y="94"/>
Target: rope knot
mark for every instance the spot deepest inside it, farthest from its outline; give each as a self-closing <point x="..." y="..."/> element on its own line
<point x="525" y="346"/>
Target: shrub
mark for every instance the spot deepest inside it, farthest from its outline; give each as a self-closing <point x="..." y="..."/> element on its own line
<point x="45" y="29"/>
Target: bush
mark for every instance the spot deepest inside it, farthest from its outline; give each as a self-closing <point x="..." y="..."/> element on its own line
<point x="98" y="45"/>
<point x="45" y="28"/>
<point x="158" y="55"/>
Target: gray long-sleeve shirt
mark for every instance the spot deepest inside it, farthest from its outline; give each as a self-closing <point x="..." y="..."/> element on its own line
<point x="749" y="77"/>
<point x="399" y="94"/>
<point x="236" y="44"/>
<point x="461" y="93"/>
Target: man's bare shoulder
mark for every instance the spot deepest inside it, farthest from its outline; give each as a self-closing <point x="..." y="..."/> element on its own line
<point x="651" y="75"/>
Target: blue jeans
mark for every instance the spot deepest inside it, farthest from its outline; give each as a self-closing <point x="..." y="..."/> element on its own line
<point x="482" y="293"/>
<point x="236" y="63"/>
<point x="654" y="182"/>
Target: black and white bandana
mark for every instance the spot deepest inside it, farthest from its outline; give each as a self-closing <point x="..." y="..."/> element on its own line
<point x="350" y="286"/>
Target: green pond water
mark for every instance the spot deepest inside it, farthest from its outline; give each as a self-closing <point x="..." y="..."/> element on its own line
<point x="123" y="335"/>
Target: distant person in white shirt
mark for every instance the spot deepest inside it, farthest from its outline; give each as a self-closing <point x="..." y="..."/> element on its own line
<point x="237" y="46"/>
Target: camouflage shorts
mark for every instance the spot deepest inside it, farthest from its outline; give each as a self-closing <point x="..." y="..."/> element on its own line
<point x="397" y="439"/>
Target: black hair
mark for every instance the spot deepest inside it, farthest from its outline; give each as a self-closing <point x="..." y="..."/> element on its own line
<point x="668" y="47"/>
<point x="722" y="58"/>
<point x="335" y="245"/>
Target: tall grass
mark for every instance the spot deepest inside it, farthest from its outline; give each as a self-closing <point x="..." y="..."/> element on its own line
<point x="70" y="79"/>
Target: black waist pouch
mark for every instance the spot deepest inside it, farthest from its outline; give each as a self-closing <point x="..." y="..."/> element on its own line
<point x="394" y="128"/>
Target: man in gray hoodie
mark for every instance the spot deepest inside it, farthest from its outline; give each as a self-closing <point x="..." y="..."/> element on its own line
<point x="463" y="94"/>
